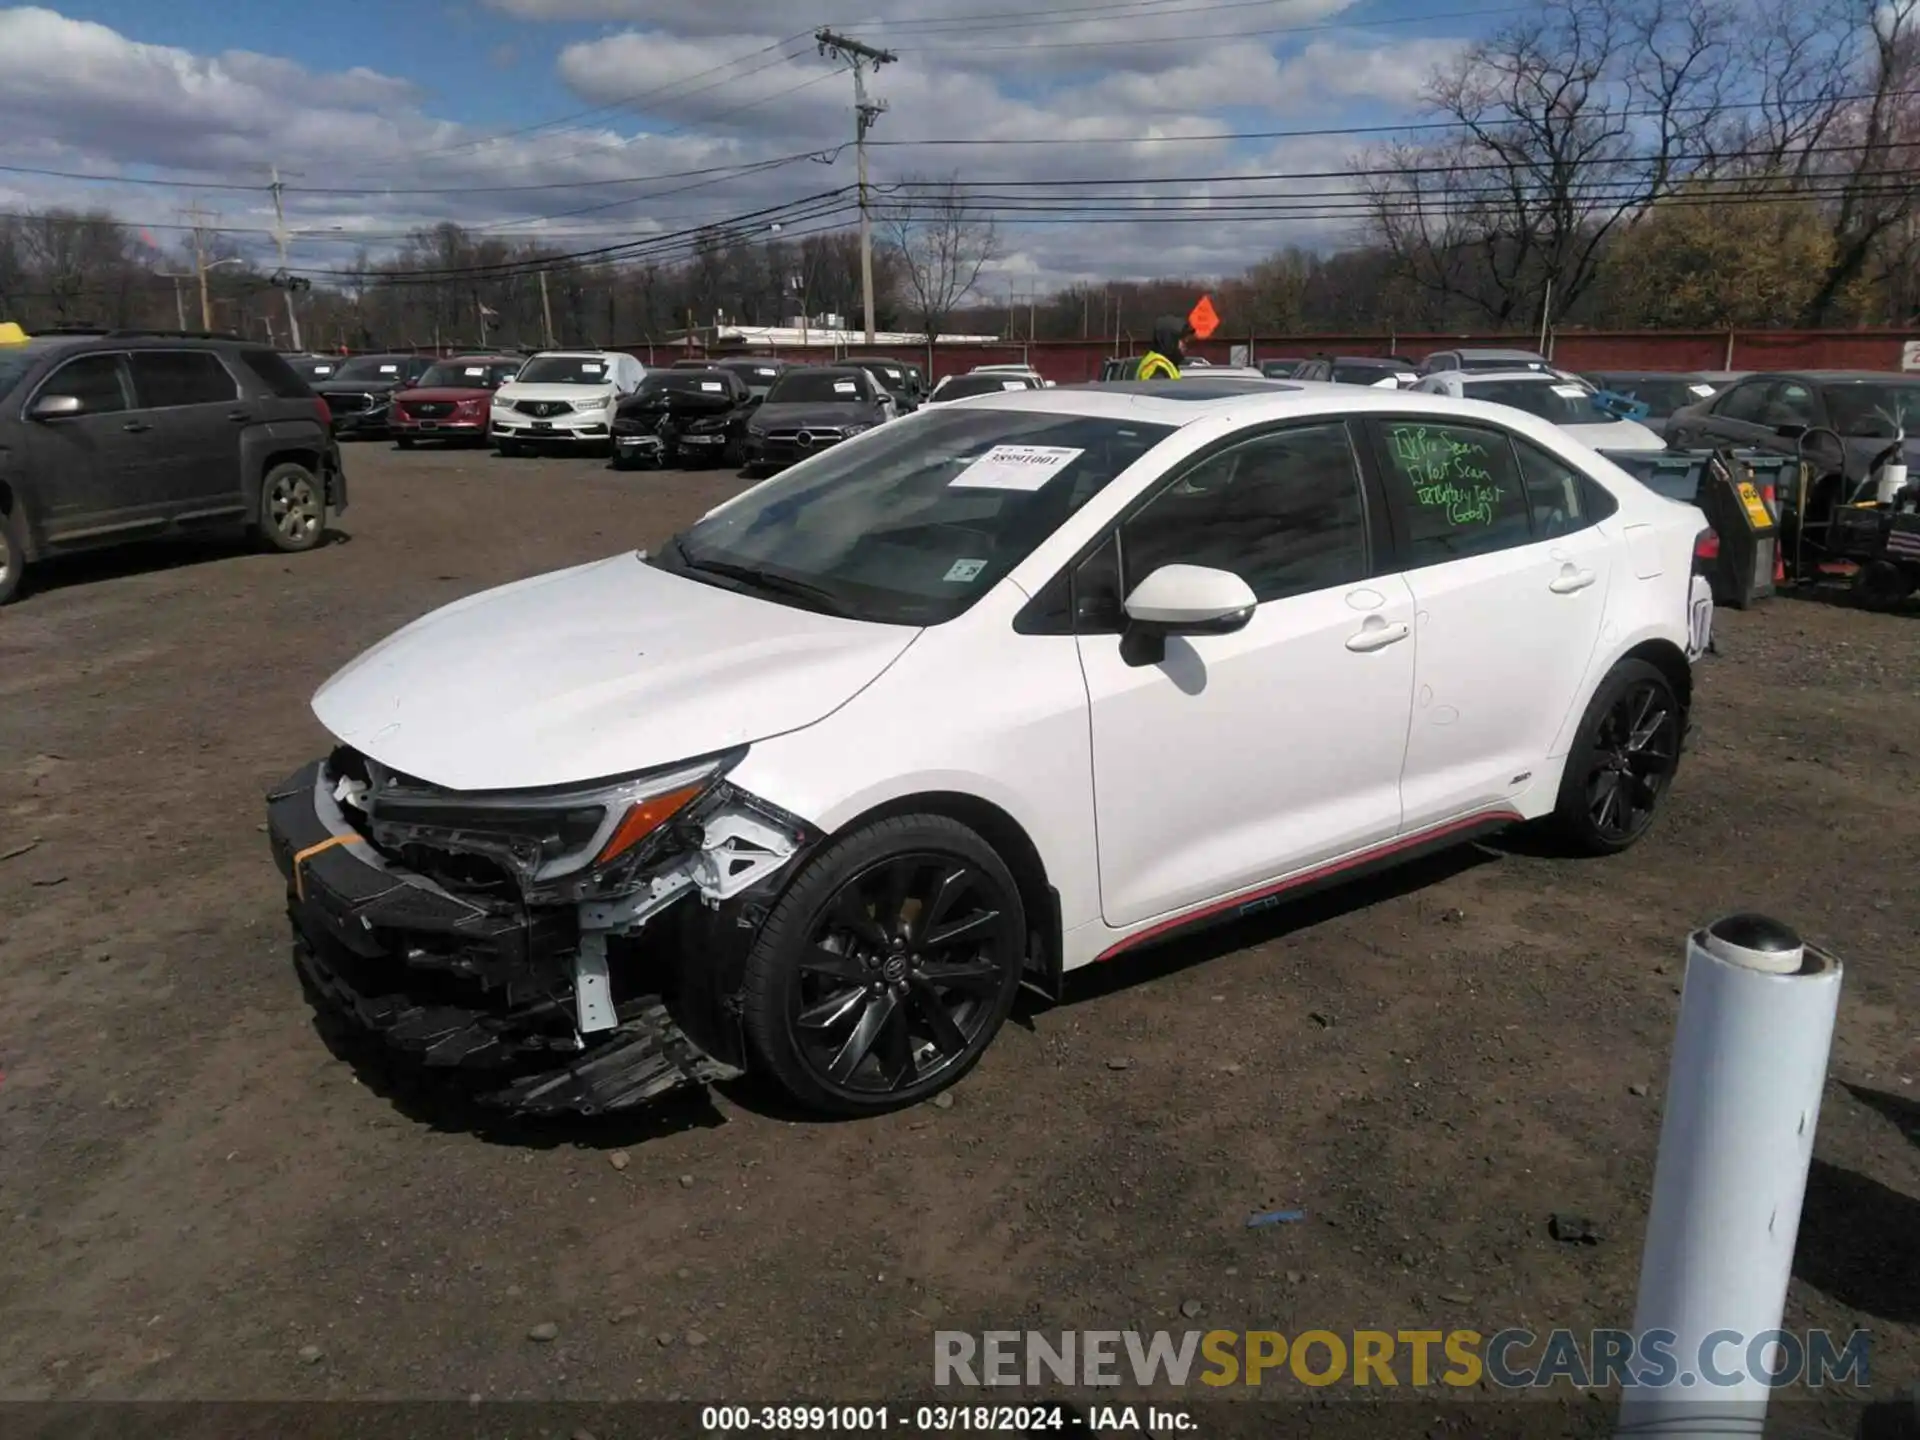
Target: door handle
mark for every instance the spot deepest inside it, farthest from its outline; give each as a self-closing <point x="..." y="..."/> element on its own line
<point x="135" y="427"/>
<point x="239" y="416"/>
<point x="1571" y="580"/>
<point x="1378" y="637"/>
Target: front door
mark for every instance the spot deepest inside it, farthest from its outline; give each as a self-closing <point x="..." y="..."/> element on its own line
<point x="1510" y="580"/>
<point x="197" y="414"/>
<point x="90" y="468"/>
<point x="1240" y="758"/>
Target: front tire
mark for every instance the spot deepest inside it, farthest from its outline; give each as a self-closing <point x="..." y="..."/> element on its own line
<point x="887" y="968"/>
<point x="293" y="508"/>
<point x="1623" y="760"/>
<point x="13" y="551"/>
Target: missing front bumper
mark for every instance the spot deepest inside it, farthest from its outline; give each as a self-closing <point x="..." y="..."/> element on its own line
<point x="482" y="992"/>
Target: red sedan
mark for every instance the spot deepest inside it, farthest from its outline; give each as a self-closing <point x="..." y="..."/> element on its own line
<point x="450" y="401"/>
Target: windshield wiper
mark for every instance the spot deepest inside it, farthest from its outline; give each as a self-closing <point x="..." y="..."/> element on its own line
<point x="821" y="597"/>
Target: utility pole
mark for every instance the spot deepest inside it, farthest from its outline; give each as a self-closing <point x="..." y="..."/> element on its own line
<point x="865" y="112"/>
<point x="280" y="239"/>
<point x="546" y="311"/>
<point x="198" y="219"/>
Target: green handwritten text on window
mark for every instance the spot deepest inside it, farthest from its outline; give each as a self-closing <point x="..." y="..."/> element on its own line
<point x="1446" y="474"/>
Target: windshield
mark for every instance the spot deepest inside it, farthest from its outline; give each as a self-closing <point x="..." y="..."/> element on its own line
<point x="1349" y="372"/>
<point x="817" y="387"/>
<point x="370" y="367"/>
<point x="707" y="382"/>
<point x="913" y="522"/>
<point x="1561" y="401"/>
<point x="1662" y="394"/>
<point x="12" y="367"/>
<point x="1875" y="409"/>
<point x="460" y="375"/>
<point x="891" y="376"/>
<point x="1500" y="362"/>
<point x="961" y="386"/>
<point x="564" y="370"/>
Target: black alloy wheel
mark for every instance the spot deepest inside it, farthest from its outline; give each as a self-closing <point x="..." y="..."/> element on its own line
<point x="1624" y="761"/>
<point x="888" y="967"/>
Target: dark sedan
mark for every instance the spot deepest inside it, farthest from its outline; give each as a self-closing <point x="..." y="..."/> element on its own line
<point x="811" y="409"/>
<point x="759" y="371"/>
<point x="1661" y="391"/>
<point x="680" y="415"/>
<point x="1868" y="409"/>
<point x="360" y="393"/>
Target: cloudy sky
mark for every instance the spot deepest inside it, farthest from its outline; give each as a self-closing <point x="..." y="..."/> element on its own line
<point x="595" y="121"/>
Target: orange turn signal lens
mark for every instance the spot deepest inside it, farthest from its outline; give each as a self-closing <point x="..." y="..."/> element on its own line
<point x="643" y="819"/>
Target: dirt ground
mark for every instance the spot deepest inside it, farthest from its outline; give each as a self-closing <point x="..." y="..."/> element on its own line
<point x="193" y="1188"/>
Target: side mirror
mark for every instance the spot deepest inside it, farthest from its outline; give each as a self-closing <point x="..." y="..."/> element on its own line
<point x="1182" y="600"/>
<point x="56" y="407"/>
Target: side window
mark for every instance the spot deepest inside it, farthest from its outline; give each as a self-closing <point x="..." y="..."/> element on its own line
<point x="1460" y="489"/>
<point x="1556" y="492"/>
<point x="163" y="378"/>
<point x="93" y="380"/>
<point x="280" y="378"/>
<point x="1743" y="402"/>
<point x="1790" y="403"/>
<point x="1284" y="512"/>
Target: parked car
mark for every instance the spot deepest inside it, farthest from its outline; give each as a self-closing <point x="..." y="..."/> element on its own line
<point x="680" y="415"/>
<point x="1485" y="360"/>
<point x="360" y="393"/>
<point x="1866" y="408"/>
<point x="314" y="367"/>
<point x="964" y="387"/>
<point x="563" y="397"/>
<point x="1040" y="381"/>
<point x="759" y="371"/>
<point x="1291" y="368"/>
<point x="1661" y="391"/>
<point x="813" y="408"/>
<point x="975" y="699"/>
<point x="449" y="402"/>
<point x="129" y="435"/>
<point x="1385" y="371"/>
<point x="1564" y="401"/>
<point x="891" y="374"/>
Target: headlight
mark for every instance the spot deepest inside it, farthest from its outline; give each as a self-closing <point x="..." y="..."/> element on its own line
<point x="563" y="844"/>
<point x="499" y="404"/>
<point x="598" y="402"/>
<point x="850" y="430"/>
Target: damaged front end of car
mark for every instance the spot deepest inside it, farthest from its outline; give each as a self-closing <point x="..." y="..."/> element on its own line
<point x="572" y="950"/>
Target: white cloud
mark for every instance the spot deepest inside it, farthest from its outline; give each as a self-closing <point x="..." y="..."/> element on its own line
<point x="686" y="92"/>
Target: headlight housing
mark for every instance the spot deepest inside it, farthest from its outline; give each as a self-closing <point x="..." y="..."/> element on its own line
<point x="593" y="403"/>
<point x="560" y="844"/>
<point x="849" y="431"/>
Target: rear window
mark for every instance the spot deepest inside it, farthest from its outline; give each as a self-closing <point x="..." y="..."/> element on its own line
<point x="272" y="371"/>
<point x="164" y="379"/>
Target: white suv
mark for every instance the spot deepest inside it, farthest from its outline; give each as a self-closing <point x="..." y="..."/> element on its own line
<point x="995" y="691"/>
<point x="563" y="397"/>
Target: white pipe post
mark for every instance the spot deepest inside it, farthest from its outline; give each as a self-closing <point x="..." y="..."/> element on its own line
<point x="1743" y="1095"/>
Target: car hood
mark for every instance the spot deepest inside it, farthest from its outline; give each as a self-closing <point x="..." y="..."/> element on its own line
<point x="604" y="669"/>
<point x="510" y="392"/>
<point x="446" y="392"/>
<point x="379" y="385"/>
<point x="822" y="413"/>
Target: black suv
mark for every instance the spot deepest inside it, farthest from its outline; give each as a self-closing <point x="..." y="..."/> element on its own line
<point x="112" y="436"/>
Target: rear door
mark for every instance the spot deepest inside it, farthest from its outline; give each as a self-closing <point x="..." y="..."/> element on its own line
<point x="1737" y="418"/>
<point x="1509" y="579"/>
<point x="88" y="468"/>
<point x="195" y="407"/>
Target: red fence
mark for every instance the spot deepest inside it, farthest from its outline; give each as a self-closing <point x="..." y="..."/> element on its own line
<point x="1068" y="361"/>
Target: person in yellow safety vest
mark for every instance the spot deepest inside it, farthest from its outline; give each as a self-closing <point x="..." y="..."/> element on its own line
<point x="1162" y="360"/>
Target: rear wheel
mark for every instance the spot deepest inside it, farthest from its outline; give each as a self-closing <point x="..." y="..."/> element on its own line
<point x="293" y="508"/>
<point x="887" y="968"/>
<point x="1622" y="762"/>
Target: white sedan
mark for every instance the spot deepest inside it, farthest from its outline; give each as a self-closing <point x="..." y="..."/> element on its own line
<point x="1552" y="395"/>
<point x="1000" y="690"/>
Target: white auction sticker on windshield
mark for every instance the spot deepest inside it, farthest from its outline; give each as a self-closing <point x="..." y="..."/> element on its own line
<point x="592" y="367"/>
<point x="389" y="369"/>
<point x="965" y="570"/>
<point x="475" y="370"/>
<point x="713" y="385"/>
<point x="1016" y="467"/>
<point x="845" y="387"/>
<point x="1701" y="390"/>
<point x="1569" y="392"/>
<point x="1013" y="384"/>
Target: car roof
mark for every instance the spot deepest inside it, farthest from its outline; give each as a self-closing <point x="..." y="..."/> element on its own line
<point x="1398" y="361"/>
<point x="1481" y="377"/>
<point x="835" y="369"/>
<point x="1829" y="377"/>
<point x="1486" y="353"/>
<point x="478" y="359"/>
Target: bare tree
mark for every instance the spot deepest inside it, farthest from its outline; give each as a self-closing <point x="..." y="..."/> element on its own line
<point x="941" y="244"/>
<point x="1564" y="127"/>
